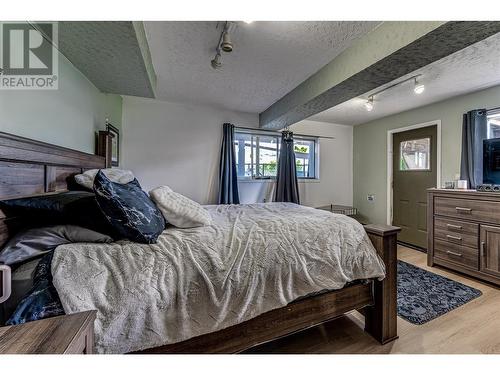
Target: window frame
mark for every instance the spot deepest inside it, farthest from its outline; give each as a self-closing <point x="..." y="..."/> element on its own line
<point x="277" y="136"/>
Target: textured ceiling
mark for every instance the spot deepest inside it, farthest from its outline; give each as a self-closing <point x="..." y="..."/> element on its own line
<point x="112" y="55"/>
<point x="269" y="59"/>
<point x="473" y="68"/>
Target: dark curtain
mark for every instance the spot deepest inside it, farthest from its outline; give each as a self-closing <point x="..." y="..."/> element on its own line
<point x="228" y="180"/>
<point x="287" y="187"/>
<point x="474" y="131"/>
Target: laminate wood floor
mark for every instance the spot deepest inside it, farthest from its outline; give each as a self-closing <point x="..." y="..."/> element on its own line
<point x="473" y="328"/>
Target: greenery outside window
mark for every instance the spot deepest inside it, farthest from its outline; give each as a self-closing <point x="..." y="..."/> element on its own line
<point x="257" y="155"/>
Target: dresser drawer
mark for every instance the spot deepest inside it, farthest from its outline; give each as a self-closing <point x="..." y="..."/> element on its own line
<point x="464" y="255"/>
<point x="455" y="231"/>
<point x="470" y="209"/>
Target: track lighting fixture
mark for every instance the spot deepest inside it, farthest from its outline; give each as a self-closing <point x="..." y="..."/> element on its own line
<point x="369" y="104"/>
<point x="216" y="61"/>
<point x="419" y="87"/>
<point x="225" y="45"/>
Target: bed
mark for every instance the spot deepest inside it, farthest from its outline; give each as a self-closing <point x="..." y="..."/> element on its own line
<point x="29" y="167"/>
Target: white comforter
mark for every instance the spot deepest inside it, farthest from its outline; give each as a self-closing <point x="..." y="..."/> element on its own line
<point x="252" y="259"/>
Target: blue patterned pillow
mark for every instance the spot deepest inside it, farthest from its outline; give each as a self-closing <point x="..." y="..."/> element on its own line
<point x="42" y="301"/>
<point x="128" y="209"/>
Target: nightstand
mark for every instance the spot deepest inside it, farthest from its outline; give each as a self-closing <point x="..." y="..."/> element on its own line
<point x="65" y="334"/>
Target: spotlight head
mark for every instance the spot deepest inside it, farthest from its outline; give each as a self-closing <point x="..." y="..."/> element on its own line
<point x="369" y="104"/>
<point x="216" y="62"/>
<point x="419" y="87"/>
<point x="248" y="22"/>
<point x="226" y="44"/>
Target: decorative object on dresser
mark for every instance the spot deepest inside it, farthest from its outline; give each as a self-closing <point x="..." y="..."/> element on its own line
<point x="464" y="232"/>
<point x="488" y="187"/>
<point x="67" y="334"/>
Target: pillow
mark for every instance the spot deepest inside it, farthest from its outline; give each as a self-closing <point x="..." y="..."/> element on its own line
<point x="129" y="210"/>
<point x="178" y="210"/>
<point x="121" y="176"/>
<point x="33" y="243"/>
<point x="22" y="282"/>
<point x="42" y="300"/>
<point x="72" y="207"/>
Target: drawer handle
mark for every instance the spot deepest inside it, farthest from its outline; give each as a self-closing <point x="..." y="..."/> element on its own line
<point x="453" y="226"/>
<point x="456" y="238"/>
<point x="463" y="209"/>
<point x="453" y="253"/>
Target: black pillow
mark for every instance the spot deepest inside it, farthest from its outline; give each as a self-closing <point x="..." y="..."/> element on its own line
<point x="129" y="209"/>
<point x="72" y="207"/>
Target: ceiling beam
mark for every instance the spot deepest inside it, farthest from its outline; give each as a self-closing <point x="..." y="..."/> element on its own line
<point x="392" y="50"/>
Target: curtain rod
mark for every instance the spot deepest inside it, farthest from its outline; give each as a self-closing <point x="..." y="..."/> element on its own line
<point x="278" y="132"/>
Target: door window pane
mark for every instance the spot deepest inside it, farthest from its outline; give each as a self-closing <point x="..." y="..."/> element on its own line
<point x="415" y="155"/>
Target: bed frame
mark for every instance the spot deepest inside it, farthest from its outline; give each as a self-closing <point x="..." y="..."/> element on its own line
<point x="29" y="167"/>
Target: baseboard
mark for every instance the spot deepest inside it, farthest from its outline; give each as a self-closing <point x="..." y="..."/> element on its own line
<point x="418" y="248"/>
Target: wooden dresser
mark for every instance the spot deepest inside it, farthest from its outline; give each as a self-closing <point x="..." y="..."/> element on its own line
<point x="463" y="232"/>
<point x="65" y="334"/>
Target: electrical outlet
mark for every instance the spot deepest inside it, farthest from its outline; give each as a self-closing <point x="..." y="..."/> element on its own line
<point x="265" y="200"/>
<point x="370" y="197"/>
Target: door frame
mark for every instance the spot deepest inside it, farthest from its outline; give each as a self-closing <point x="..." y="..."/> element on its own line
<point x="390" y="156"/>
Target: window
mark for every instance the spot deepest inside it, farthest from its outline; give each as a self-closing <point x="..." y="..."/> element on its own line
<point x="305" y="152"/>
<point x="415" y="155"/>
<point x="257" y="155"/>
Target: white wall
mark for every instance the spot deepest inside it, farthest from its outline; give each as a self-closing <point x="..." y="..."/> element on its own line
<point x="335" y="175"/>
<point x="176" y="144"/>
<point x="335" y="169"/>
<point x="66" y="117"/>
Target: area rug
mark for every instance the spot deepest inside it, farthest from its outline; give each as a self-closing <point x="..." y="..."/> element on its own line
<point x="423" y="295"/>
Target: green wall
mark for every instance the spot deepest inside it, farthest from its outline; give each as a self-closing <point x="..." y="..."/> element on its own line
<point x="370" y="146"/>
<point x="68" y="117"/>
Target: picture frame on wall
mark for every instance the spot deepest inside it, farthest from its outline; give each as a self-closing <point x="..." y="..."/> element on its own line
<point x="115" y="144"/>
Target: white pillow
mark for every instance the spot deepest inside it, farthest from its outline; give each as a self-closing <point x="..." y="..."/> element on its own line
<point x="178" y="210"/>
<point x="121" y="176"/>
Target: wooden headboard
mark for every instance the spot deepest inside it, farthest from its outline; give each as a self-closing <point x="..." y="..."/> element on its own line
<point x="29" y="167"/>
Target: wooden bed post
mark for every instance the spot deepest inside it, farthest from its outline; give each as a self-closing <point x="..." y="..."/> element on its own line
<point x="381" y="319"/>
